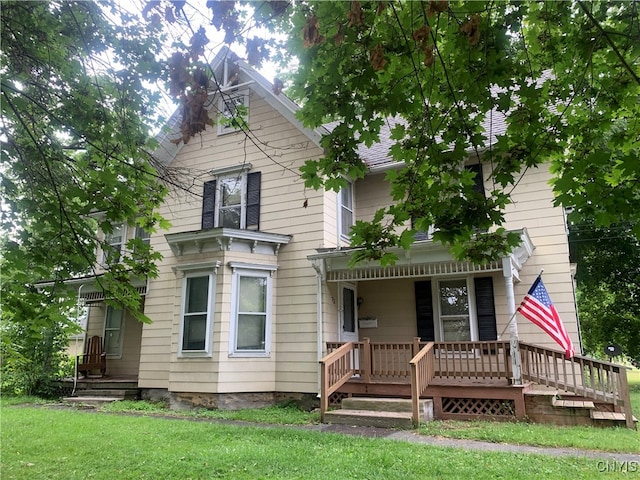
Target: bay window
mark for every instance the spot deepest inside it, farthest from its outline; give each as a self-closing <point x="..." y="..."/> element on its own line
<point x="251" y="311"/>
<point x="195" y="335"/>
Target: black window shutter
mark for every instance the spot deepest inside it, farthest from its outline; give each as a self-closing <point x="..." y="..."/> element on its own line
<point x="424" y="311"/>
<point x="485" y="309"/>
<point x="478" y="187"/>
<point x="253" y="201"/>
<point x="209" y="204"/>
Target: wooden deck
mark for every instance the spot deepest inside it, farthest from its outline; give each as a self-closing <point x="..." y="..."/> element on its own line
<point x="465" y="379"/>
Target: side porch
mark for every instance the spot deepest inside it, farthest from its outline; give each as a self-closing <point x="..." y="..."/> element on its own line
<point x="473" y="380"/>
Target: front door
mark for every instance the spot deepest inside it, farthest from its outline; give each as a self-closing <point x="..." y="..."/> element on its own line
<point x="348" y="314"/>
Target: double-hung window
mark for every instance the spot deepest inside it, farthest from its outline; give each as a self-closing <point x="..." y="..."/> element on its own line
<point x="251" y="311"/>
<point x="232" y="201"/>
<point x="114" y="242"/>
<point x="455" y="319"/>
<point x="113" y="326"/>
<point x="197" y="314"/>
<point x="345" y="210"/>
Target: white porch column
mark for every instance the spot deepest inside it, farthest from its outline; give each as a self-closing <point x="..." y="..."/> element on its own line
<point x="516" y="363"/>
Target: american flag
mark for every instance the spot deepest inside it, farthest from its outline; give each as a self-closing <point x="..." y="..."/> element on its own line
<point x="538" y="308"/>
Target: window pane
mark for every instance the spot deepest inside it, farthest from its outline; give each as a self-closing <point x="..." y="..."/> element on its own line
<point x="230" y="217"/>
<point x="195" y="329"/>
<point x="456" y="329"/>
<point x="253" y="294"/>
<point x="454" y="298"/>
<point x="115" y="237"/>
<point x="251" y="332"/>
<point x="112" y="342"/>
<point x="349" y="310"/>
<point x="197" y="294"/>
<point x="347" y="221"/>
<point x="114" y="318"/>
<point x="346" y="196"/>
<point x="231" y="191"/>
<point x="142" y="234"/>
<point x="113" y="331"/>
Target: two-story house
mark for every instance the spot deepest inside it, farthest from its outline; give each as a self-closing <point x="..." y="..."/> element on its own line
<point x="255" y="278"/>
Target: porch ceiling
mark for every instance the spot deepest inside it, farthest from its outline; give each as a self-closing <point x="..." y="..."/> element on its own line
<point x="423" y="259"/>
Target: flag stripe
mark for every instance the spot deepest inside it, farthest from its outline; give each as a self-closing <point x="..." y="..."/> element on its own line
<point x="537" y="308"/>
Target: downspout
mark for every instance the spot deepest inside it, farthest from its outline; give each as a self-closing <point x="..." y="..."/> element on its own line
<point x="75" y="368"/>
<point x="319" y="313"/>
<point x="516" y="363"/>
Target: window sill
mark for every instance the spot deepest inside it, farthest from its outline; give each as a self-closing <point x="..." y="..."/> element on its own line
<point x="195" y="354"/>
<point x="249" y="354"/>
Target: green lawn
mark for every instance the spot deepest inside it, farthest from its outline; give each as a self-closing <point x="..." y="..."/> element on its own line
<point x="39" y="442"/>
<point x="588" y="438"/>
<point x="45" y="443"/>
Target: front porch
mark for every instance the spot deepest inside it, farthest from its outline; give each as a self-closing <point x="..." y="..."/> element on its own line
<point x="468" y="380"/>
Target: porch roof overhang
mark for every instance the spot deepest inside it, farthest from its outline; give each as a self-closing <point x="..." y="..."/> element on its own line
<point x="221" y="239"/>
<point x="90" y="289"/>
<point x="423" y="259"/>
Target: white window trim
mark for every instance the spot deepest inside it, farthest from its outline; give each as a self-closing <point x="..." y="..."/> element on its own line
<point x="207" y="351"/>
<point x="250" y="270"/>
<point x="115" y="356"/>
<point x="242" y="175"/>
<point x="471" y="294"/>
<point x="226" y="97"/>
<point x="345" y="235"/>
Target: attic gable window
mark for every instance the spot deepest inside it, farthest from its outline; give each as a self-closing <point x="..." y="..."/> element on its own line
<point x="233" y="108"/>
<point x="232" y="201"/>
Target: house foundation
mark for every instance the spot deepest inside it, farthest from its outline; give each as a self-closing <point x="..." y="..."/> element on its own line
<point x="230" y="401"/>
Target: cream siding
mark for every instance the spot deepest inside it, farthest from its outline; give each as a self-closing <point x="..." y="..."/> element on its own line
<point x="294" y="318"/>
<point x="532" y="208"/>
<point x="292" y="363"/>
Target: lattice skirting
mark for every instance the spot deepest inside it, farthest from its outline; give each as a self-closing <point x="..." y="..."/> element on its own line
<point x="335" y="399"/>
<point x="481" y="407"/>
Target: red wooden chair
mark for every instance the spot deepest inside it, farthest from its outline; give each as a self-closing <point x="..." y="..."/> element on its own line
<point x="95" y="357"/>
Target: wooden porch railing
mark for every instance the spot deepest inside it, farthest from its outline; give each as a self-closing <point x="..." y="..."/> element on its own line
<point x="472" y="360"/>
<point x="422" y="372"/>
<point x="587" y="377"/>
<point x="336" y="368"/>
<point x="424" y="364"/>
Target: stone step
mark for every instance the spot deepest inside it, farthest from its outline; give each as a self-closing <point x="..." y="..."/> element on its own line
<point x="93" y="401"/>
<point x="119" y="393"/>
<point x="369" y="418"/>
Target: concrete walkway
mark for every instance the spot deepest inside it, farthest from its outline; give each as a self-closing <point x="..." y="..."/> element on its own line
<point x="413" y="437"/>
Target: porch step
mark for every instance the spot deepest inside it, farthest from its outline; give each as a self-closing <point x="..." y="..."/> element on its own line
<point x="387" y="405"/>
<point x="97" y="396"/>
<point x="561" y="403"/>
<point x="119" y="393"/>
<point x="610" y="419"/>
<point x="369" y="418"/>
<point x="379" y="412"/>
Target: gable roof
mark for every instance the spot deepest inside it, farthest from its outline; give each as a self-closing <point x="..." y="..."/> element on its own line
<point x="249" y="77"/>
<point x="376" y="157"/>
